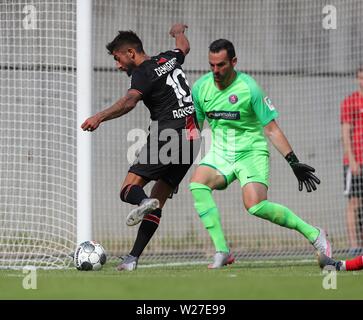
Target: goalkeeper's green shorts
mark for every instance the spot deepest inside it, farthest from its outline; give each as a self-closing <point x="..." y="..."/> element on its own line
<point x="248" y="166"/>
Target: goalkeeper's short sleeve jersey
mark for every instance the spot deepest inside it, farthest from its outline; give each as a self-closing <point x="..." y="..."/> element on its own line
<point x="236" y="114"/>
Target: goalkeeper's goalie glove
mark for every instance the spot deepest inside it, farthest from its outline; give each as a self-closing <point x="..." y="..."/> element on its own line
<point x="303" y="173"/>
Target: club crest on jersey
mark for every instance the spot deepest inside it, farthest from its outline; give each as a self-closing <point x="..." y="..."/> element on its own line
<point x="233" y="98"/>
<point x="268" y="103"/>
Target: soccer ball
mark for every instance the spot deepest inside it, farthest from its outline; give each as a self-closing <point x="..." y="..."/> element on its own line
<point x="89" y="255"/>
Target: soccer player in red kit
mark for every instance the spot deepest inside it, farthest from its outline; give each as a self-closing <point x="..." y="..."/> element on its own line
<point x="352" y="135"/>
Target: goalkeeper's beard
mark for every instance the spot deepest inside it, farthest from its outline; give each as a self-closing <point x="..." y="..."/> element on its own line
<point x="217" y="77"/>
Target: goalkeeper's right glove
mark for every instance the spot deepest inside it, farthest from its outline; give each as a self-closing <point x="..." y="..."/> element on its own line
<point x="303" y="173"/>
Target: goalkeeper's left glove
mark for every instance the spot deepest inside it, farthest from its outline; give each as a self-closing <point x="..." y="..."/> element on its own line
<point x="303" y="173"/>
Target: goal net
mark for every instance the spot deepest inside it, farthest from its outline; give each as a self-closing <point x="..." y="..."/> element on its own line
<point x="37" y="132"/>
<point x="304" y="54"/>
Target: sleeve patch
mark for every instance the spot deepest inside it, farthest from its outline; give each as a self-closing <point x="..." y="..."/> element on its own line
<point x="269" y="103"/>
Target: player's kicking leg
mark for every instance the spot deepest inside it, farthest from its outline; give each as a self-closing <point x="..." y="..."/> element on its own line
<point x="340" y="265"/>
<point x="146" y="206"/>
<point x="150" y="222"/>
<point x="132" y="192"/>
<point x="168" y="177"/>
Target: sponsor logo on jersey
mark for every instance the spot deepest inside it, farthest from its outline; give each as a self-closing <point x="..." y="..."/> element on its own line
<point x="268" y="103"/>
<point x="225" y="115"/>
<point x="166" y="67"/>
<point x="233" y="98"/>
<point x="183" y="112"/>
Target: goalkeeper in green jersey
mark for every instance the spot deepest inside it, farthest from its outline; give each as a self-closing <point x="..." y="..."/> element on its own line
<point x="240" y="115"/>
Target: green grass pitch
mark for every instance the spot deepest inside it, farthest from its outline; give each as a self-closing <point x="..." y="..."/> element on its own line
<point x="252" y="280"/>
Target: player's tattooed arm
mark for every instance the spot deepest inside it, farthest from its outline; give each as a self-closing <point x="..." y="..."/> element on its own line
<point x="118" y="109"/>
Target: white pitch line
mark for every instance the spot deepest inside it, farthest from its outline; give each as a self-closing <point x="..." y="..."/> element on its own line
<point x="177" y="264"/>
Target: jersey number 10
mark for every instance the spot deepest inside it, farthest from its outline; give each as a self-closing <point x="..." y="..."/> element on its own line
<point x="173" y="81"/>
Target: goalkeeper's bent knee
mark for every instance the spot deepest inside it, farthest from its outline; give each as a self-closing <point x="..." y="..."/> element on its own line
<point x="254" y="210"/>
<point x="273" y="212"/>
<point x="197" y="185"/>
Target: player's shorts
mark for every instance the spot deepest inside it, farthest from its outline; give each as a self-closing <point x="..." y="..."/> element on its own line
<point x="353" y="185"/>
<point x="166" y="160"/>
<point x="251" y="166"/>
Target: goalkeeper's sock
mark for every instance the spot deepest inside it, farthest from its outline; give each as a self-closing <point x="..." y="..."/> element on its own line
<point x="283" y="216"/>
<point x="209" y="214"/>
<point x="147" y="229"/>
<point x="133" y="194"/>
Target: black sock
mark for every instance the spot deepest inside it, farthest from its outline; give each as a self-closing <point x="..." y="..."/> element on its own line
<point x="133" y="194"/>
<point x="147" y="228"/>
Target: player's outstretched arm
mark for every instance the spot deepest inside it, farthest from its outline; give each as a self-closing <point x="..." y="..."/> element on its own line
<point x="118" y="109"/>
<point x="181" y="41"/>
<point x="303" y="172"/>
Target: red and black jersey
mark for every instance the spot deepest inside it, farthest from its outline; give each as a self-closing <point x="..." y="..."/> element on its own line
<point x="165" y="90"/>
<point x="352" y="113"/>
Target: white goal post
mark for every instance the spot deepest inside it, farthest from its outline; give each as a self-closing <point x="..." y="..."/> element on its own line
<point x="60" y="186"/>
<point x="84" y="110"/>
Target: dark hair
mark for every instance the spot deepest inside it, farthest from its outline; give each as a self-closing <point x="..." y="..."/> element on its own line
<point x="360" y="69"/>
<point x="125" y="38"/>
<point x="223" y="44"/>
